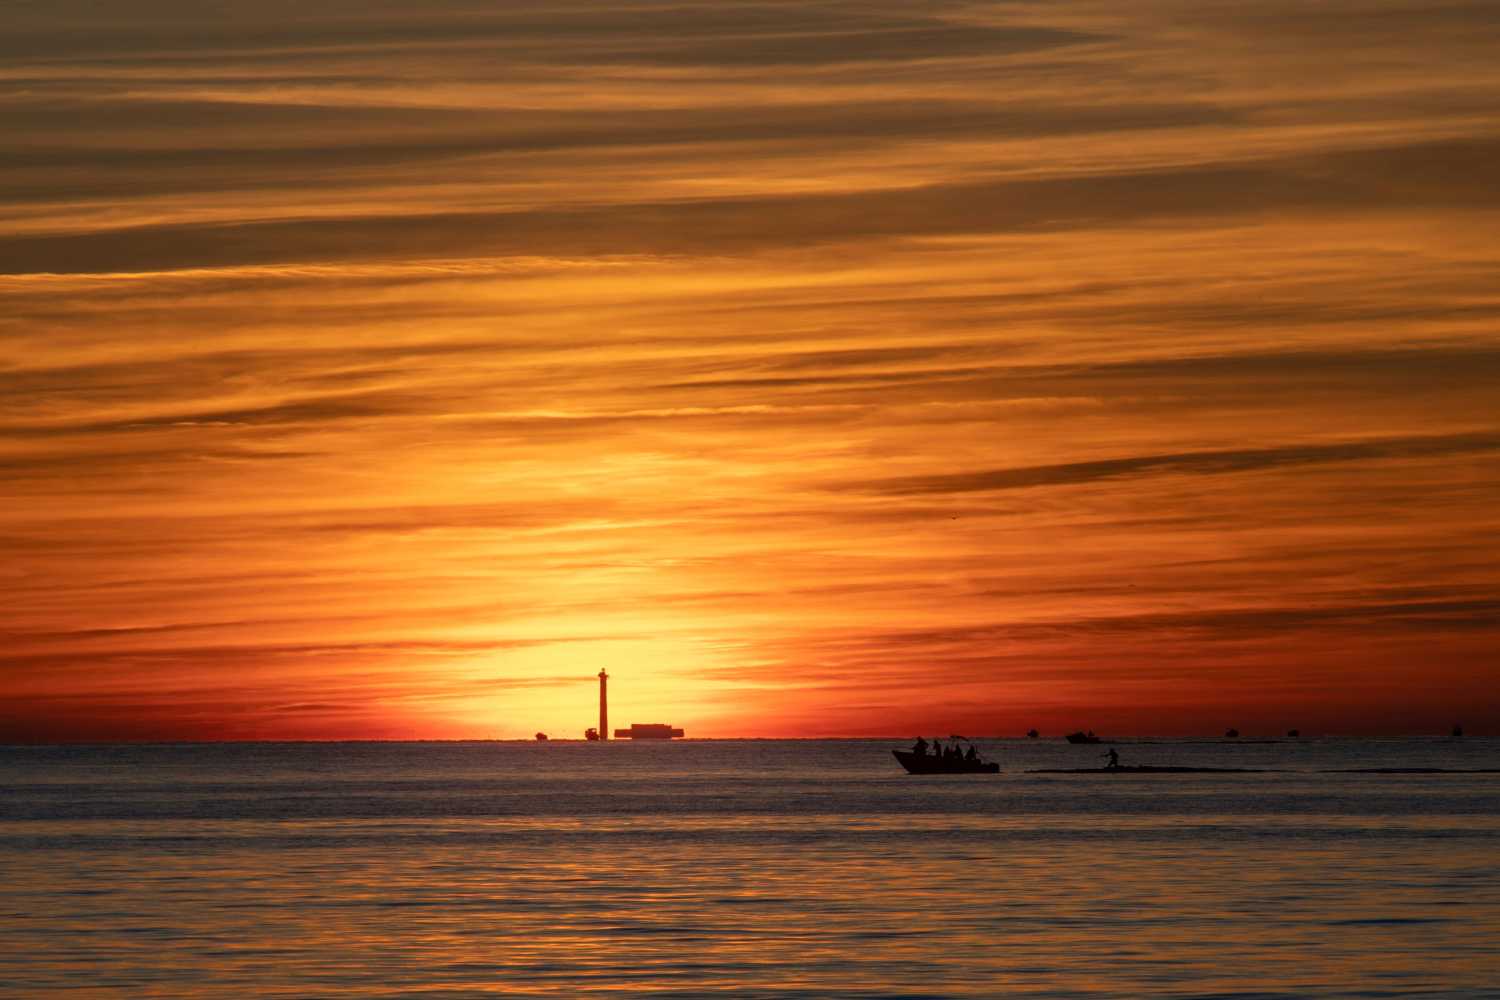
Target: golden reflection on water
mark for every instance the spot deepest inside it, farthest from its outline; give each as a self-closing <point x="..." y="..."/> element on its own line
<point x="768" y="906"/>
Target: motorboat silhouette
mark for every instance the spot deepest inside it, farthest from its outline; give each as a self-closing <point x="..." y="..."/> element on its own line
<point x="926" y="763"/>
<point x="1082" y="737"/>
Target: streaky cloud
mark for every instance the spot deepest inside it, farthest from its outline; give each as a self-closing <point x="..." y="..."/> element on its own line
<point x="1430" y="175"/>
<point x="1222" y="462"/>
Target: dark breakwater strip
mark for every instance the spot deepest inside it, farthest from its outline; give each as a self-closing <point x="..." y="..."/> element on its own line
<point x="1152" y="769"/>
<point x="1413" y="771"/>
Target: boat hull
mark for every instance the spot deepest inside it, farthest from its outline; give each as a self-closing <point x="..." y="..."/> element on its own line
<point x="1083" y="738"/>
<point x="929" y="764"/>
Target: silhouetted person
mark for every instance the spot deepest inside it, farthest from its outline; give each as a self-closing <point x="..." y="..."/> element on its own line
<point x="972" y="755"/>
<point x="937" y="749"/>
<point x="920" y="747"/>
<point x="1114" y="759"/>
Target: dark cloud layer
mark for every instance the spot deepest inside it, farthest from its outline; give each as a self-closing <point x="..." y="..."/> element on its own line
<point x="1193" y="463"/>
<point x="1431" y="175"/>
<point x="770" y="35"/>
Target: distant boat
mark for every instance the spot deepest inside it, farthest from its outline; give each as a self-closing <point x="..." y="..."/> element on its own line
<point x="1032" y="734"/>
<point x="591" y="734"/>
<point x="926" y="763"/>
<point x="541" y="737"/>
<point x="1232" y="734"/>
<point x="1457" y="731"/>
<point x="1082" y="737"/>
<point x="1294" y="733"/>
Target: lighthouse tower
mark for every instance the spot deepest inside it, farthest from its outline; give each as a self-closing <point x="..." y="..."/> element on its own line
<point x="603" y="705"/>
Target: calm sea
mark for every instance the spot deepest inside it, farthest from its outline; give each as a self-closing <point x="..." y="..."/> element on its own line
<point x="747" y="869"/>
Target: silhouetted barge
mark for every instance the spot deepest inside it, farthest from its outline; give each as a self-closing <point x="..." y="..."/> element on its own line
<point x="648" y="731"/>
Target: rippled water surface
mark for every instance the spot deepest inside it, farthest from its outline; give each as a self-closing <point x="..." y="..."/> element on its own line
<point x="748" y="869"/>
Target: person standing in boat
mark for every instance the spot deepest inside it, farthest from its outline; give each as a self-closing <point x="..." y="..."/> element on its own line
<point x="1114" y="759"/>
<point x="920" y="747"/>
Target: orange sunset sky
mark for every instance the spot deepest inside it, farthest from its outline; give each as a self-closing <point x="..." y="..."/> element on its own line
<point x="385" y="369"/>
